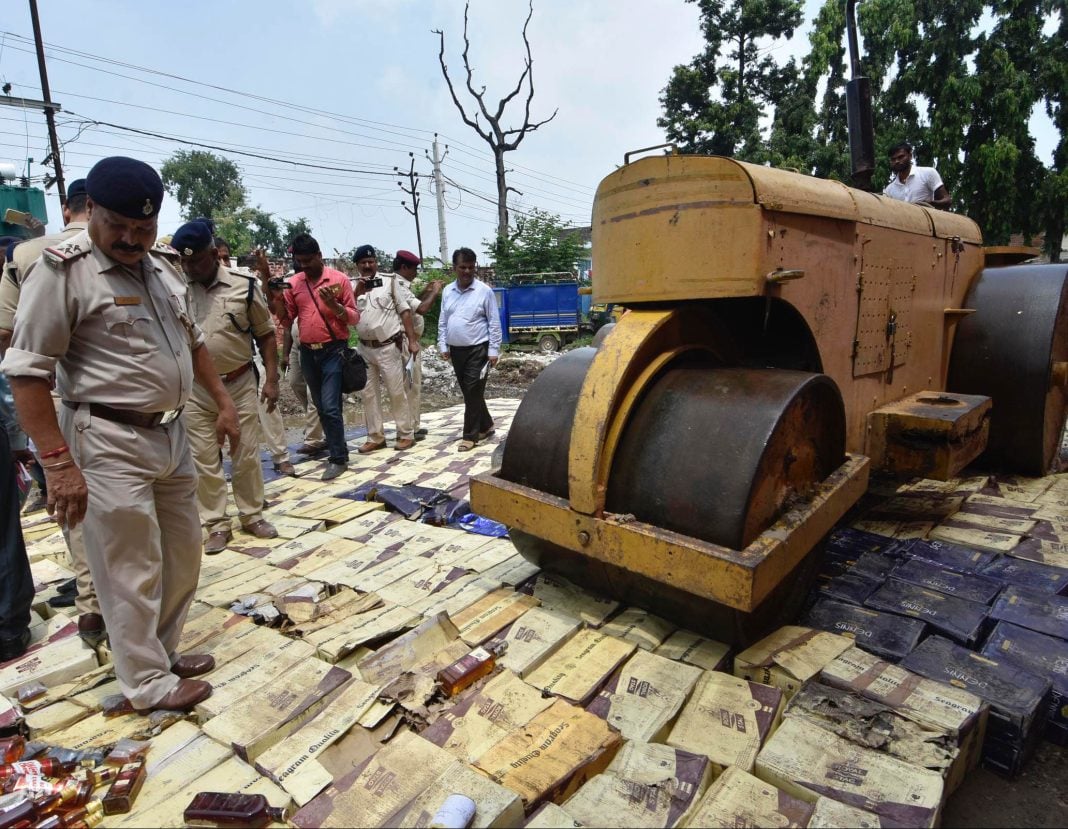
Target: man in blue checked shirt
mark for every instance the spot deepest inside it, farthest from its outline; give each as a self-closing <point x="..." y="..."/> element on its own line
<point x="17" y="595"/>
<point x="469" y="335"/>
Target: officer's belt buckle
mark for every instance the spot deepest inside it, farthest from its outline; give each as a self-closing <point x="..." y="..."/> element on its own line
<point x="169" y="416"/>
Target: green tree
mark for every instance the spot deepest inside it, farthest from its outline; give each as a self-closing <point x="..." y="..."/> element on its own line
<point x="539" y="243"/>
<point x="250" y="228"/>
<point x="1053" y="194"/>
<point x="294" y="227"/>
<point x="715" y="103"/>
<point x="205" y="184"/>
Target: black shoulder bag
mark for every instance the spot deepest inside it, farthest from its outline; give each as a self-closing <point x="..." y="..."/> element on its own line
<point x="353" y="368"/>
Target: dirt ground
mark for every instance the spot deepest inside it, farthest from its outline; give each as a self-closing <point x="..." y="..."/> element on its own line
<point x="1039" y="798"/>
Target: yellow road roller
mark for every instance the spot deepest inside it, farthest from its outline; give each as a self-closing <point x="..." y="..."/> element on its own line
<point x="785" y="335"/>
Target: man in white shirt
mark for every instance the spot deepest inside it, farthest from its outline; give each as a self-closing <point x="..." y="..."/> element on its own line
<point x="469" y="334"/>
<point x="912" y="183"/>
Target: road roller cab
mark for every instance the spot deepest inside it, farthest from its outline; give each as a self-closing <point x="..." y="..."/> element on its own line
<point x="783" y="334"/>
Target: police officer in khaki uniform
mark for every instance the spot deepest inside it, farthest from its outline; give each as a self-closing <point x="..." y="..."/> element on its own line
<point x="108" y="316"/>
<point x="26" y="254"/>
<point x="229" y="306"/>
<point x="405" y="267"/>
<point x="385" y="325"/>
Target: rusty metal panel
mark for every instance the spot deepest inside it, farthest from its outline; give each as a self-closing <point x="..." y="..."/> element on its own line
<point x="887" y="285"/>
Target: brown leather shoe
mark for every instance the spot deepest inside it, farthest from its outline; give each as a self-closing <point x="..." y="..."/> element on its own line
<point x="186" y="694"/>
<point x="371" y="447"/>
<point x="261" y="529"/>
<point x="311" y="448"/>
<point x="217" y="542"/>
<point x="91" y="628"/>
<point x="285" y="468"/>
<point x="193" y="664"/>
<point x="404" y="443"/>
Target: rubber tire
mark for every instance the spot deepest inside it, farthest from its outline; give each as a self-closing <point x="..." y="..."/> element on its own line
<point x="548" y="344"/>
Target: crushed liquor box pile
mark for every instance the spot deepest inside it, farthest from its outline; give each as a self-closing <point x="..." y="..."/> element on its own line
<point x="328" y="640"/>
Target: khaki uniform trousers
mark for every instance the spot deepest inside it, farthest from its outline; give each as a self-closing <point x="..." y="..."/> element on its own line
<point x="246" y="474"/>
<point x="142" y="540"/>
<point x="313" y="427"/>
<point x="272" y="427"/>
<point x="385" y="373"/>
<point x="415" y="393"/>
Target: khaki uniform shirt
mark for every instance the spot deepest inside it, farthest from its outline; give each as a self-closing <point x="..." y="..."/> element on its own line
<point x="111" y="334"/>
<point x="380" y="313"/>
<point x="417" y="319"/>
<point x="227" y="318"/>
<point x="25" y="257"/>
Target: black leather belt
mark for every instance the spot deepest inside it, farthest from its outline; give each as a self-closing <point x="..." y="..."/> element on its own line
<point x="127" y="417"/>
<point x="394" y="340"/>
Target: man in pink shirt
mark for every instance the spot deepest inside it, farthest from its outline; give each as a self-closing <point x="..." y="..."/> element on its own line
<point x="320" y="300"/>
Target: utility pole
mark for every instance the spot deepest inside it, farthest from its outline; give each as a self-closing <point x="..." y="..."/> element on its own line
<point x="413" y="191"/>
<point x="439" y="194"/>
<point x="50" y="115"/>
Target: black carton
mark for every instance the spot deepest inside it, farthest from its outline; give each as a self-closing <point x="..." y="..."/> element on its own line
<point x="1033" y="610"/>
<point x="883" y="634"/>
<point x="953" y="556"/>
<point x="854" y="543"/>
<point x="1018" y="698"/>
<point x="875" y="566"/>
<point x="849" y="588"/>
<point x="1037" y="576"/>
<point x="973" y="588"/>
<point x="1041" y="655"/>
<point x="959" y="619"/>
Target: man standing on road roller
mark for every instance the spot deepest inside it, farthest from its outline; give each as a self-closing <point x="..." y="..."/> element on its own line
<point x="110" y="320"/>
<point x="469" y="334"/>
<point x="231" y="310"/>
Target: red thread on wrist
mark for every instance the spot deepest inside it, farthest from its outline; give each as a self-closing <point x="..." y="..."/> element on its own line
<point x="54" y="453"/>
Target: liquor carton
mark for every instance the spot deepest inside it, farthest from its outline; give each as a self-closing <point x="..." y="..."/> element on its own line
<point x="727" y="719"/>
<point x="581" y="665"/>
<point x="551" y="816"/>
<point x="271" y="713"/>
<point x="551" y="756"/>
<point x="644" y="695"/>
<point x="56" y="660"/>
<point x="875" y="566"/>
<point x="233" y="680"/>
<point x="806" y="761"/>
<point x="738" y="798"/>
<point x="953" y="556"/>
<point x="1043" y="656"/>
<point x="693" y="649"/>
<point x="1018" y="699"/>
<point x="959" y="619"/>
<point x="346" y="634"/>
<point x="876" y="725"/>
<point x="883" y="634"/>
<point x="934" y="705"/>
<point x="646" y="785"/>
<point x="830" y="814"/>
<point x="481" y="620"/>
<point x="640" y="627"/>
<point x="533" y="637"/>
<point x="560" y="594"/>
<point x="1033" y="610"/>
<point x="854" y="543"/>
<point x="478" y="721"/>
<point x="973" y="588"/>
<point x="849" y="588"/>
<point x="789" y="657"/>
<point x="378" y="787"/>
<point x="293" y="762"/>
<point x="495" y="806"/>
<point x="1033" y="575"/>
<point x="409" y="650"/>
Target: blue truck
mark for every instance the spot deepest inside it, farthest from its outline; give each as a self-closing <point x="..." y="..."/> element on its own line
<point x="542" y="311"/>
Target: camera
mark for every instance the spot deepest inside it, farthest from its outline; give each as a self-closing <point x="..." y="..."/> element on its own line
<point x="374" y="282"/>
<point x="278" y="284"/>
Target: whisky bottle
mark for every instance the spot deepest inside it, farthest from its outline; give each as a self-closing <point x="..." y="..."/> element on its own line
<point x="124" y="790"/>
<point x="469" y="669"/>
<point x="222" y="809"/>
<point x="12" y="749"/>
<point x="48" y="767"/>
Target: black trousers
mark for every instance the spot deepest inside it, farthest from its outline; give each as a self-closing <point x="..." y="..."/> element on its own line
<point x="468" y="362"/>
<point x="16" y="583"/>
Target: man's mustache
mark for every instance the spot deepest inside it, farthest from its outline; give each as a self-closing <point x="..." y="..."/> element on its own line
<point x="128" y="248"/>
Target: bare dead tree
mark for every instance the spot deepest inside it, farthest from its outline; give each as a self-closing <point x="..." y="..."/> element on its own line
<point x="500" y="140"/>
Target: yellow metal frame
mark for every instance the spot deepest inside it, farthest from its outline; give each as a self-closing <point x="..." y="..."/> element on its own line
<point x="740" y="579"/>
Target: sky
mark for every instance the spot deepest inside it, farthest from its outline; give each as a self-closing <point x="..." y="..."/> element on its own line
<point x="349" y="88"/>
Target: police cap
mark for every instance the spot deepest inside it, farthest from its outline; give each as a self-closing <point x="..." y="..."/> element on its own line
<point x="126" y="186"/>
<point x="76" y="188"/>
<point x="407" y="258"/>
<point x="363" y="252"/>
<point x="193" y="237"/>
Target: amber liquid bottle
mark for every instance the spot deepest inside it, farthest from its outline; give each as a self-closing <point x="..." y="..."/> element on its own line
<point x="12" y="749"/>
<point x="469" y="669"/>
<point x="124" y="790"/>
<point x="222" y="809"/>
